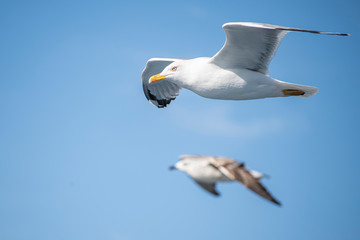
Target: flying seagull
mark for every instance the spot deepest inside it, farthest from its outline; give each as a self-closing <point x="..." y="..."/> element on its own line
<point x="207" y="171"/>
<point x="239" y="71"/>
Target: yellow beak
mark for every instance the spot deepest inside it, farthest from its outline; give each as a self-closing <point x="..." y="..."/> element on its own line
<point x="156" y="78"/>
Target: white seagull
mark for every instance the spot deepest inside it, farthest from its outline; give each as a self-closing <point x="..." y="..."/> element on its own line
<point x="239" y="71"/>
<point x="207" y="171"/>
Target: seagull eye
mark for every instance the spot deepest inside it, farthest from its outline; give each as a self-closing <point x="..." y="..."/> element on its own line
<point x="174" y="69"/>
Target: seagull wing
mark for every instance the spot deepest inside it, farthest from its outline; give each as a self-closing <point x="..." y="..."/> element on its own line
<point x="248" y="180"/>
<point x="210" y="187"/>
<point x="222" y="163"/>
<point x="236" y="171"/>
<point x="161" y="93"/>
<point x="253" y="45"/>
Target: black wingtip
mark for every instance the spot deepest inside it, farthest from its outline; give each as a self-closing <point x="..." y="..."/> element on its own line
<point x="342" y="34"/>
<point x="276" y="202"/>
<point x="216" y="194"/>
<point x="160" y="103"/>
<point x="313" y="31"/>
<point x="338" y="34"/>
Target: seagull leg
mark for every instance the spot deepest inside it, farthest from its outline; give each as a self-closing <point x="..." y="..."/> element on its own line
<point x="293" y="92"/>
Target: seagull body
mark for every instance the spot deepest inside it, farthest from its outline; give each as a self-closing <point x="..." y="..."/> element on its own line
<point x="237" y="84"/>
<point x="239" y="71"/>
<point x="207" y="171"/>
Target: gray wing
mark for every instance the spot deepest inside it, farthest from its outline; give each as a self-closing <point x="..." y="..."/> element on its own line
<point x="210" y="187"/>
<point x="161" y="93"/>
<point x="236" y="171"/>
<point x="253" y="45"/>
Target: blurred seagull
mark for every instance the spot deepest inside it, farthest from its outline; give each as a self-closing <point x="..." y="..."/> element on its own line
<point x="207" y="171"/>
<point x="239" y="71"/>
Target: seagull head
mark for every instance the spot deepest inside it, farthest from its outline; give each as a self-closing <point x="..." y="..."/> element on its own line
<point x="184" y="165"/>
<point x="188" y="164"/>
<point x="170" y="72"/>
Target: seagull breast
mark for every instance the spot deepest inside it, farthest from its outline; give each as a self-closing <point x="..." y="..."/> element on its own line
<point x="207" y="173"/>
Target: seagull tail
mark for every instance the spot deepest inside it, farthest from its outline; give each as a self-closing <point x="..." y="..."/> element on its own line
<point x="258" y="175"/>
<point x="290" y="89"/>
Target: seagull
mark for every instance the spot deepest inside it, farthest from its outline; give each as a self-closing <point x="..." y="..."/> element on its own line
<point x="208" y="170"/>
<point x="239" y="71"/>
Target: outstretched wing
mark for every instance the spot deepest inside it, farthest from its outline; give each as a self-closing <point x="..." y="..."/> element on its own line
<point x="253" y="45"/>
<point x="236" y="171"/>
<point x="161" y="93"/>
<point x="210" y="187"/>
<point x="248" y="180"/>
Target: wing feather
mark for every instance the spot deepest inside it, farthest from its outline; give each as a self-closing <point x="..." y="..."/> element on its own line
<point x="236" y="171"/>
<point x="160" y="93"/>
<point x="248" y="180"/>
<point x="253" y="45"/>
<point x="210" y="187"/>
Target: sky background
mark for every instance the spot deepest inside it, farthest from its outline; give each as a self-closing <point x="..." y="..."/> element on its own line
<point x="84" y="155"/>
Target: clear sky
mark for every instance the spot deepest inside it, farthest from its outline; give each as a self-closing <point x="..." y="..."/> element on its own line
<point x="84" y="155"/>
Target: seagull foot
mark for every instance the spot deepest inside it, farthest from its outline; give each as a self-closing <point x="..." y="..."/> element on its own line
<point x="293" y="92"/>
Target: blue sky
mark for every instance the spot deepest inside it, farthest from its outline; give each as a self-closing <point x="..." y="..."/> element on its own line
<point x="85" y="156"/>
